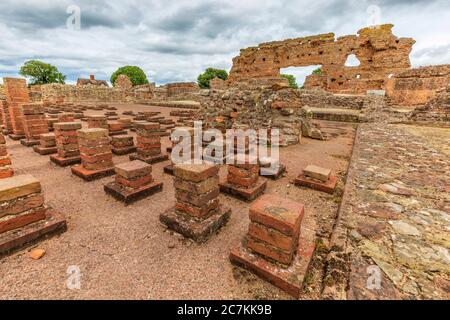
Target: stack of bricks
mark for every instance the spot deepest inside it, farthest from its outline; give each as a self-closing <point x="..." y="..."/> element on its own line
<point x="34" y="123"/>
<point x="116" y="128"/>
<point x="67" y="144"/>
<point x="111" y="115"/>
<point x="16" y="92"/>
<point x="47" y="144"/>
<point x="6" y="170"/>
<point x="243" y="179"/>
<point x="23" y="215"/>
<point x="6" y="118"/>
<point x="97" y="122"/>
<point x="198" y="213"/>
<point x="133" y="181"/>
<point x="126" y="123"/>
<point x="317" y="178"/>
<point x="277" y="247"/>
<point x="96" y="155"/>
<point x="178" y="140"/>
<point x="149" y="143"/>
<point x="122" y="145"/>
<point x="271" y="168"/>
<point x="66" y="117"/>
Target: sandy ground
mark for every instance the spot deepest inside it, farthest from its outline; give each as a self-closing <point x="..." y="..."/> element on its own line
<point x="124" y="252"/>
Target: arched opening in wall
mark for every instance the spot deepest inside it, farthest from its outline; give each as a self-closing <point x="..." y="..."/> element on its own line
<point x="300" y="73"/>
<point x="352" y="61"/>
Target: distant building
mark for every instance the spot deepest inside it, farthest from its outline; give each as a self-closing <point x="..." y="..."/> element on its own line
<point x="91" y="81"/>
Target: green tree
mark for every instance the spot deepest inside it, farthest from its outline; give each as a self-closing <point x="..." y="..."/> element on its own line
<point x="291" y="79"/>
<point x="135" y="74"/>
<point x="318" y="71"/>
<point x="211" y="73"/>
<point x="41" y="73"/>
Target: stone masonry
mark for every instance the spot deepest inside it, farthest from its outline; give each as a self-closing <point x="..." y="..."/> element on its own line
<point x="6" y="170"/>
<point x="34" y="123"/>
<point x="23" y="214"/>
<point x="17" y="94"/>
<point x="198" y="213"/>
<point x="133" y="181"/>
<point x="96" y="155"/>
<point x="67" y="144"/>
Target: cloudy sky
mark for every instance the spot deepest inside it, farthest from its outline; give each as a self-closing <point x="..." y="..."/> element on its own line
<point x="175" y="40"/>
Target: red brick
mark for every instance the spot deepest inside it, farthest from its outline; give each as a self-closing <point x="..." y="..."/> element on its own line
<point x="279" y="213"/>
<point x="195" y="172"/>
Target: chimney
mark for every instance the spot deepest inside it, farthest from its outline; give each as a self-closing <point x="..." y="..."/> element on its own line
<point x="91" y="77"/>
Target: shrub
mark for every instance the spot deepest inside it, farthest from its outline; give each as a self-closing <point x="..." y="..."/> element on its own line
<point x="204" y="79"/>
<point x="135" y="74"/>
<point x="41" y="72"/>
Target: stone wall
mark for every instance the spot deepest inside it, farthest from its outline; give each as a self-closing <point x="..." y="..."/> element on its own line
<point x="436" y="111"/>
<point x="59" y="93"/>
<point x="380" y="54"/>
<point x="417" y="86"/>
<point x="174" y="89"/>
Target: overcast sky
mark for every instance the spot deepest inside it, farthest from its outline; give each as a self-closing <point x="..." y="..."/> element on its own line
<point x="175" y="40"/>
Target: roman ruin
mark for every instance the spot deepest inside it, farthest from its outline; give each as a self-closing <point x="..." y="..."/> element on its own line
<point x="361" y="183"/>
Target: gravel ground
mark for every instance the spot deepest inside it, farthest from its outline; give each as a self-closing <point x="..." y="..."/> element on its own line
<point x="124" y="252"/>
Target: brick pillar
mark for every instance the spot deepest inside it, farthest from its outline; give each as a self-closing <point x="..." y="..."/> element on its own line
<point x="66" y="117"/>
<point x="96" y="155"/>
<point x="16" y="92"/>
<point x="97" y="122"/>
<point x="243" y="179"/>
<point x="47" y="144"/>
<point x="6" y="118"/>
<point x="122" y="145"/>
<point x="275" y="249"/>
<point x="149" y="143"/>
<point x="6" y="170"/>
<point x="34" y="123"/>
<point x="133" y="181"/>
<point x="188" y="131"/>
<point x="197" y="213"/>
<point x="66" y="143"/>
<point x="24" y="217"/>
<point x="116" y="128"/>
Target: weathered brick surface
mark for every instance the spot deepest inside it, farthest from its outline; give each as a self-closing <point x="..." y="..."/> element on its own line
<point x="274" y="229"/>
<point x="95" y="149"/>
<point x="34" y="121"/>
<point x="16" y="92"/>
<point x="67" y="139"/>
<point x="21" y="202"/>
<point x="6" y="170"/>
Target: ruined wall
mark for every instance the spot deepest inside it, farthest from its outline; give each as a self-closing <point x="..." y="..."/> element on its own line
<point x="123" y="82"/>
<point x="380" y="54"/>
<point x="266" y="108"/>
<point x="174" y="89"/>
<point x="417" y="86"/>
<point x="436" y="111"/>
<point x="59" y="93"/>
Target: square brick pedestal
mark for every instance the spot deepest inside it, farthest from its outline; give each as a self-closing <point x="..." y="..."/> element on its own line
<point x="198" y="213"/>
<point x="47" y="144"/>
<point x="24" y="216"/>
<point x="6" y="170"/>
<point x="317" y="178"/>
<point x="133" y="182"/>
<point x="67" y="144"/>
<point x="122" y="145"/>
<point x="243" y="180"/>
<point x="149" y="143"/>
<point x="96" y="156"/>
<point x="277" y="248"/>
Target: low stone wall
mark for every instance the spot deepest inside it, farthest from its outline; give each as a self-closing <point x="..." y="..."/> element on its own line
<point x="174" y="89"/>
<point x="417" y="86"/>
<point x="59" y="93"/>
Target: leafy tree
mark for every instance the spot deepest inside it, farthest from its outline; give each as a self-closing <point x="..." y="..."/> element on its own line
<point x="135" y="74"/>
<point x="318" y="71"/>
<point x="211" y="73"/>
<point x="291" y="79"/>
<point x="41" y="73"/>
